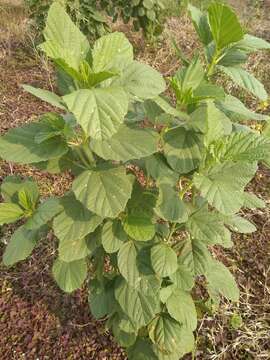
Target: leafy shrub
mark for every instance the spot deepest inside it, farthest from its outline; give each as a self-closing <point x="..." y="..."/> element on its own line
<point x="83" y="12"/>
<point x="141" y="248"/>
<point x="147" y="15"/>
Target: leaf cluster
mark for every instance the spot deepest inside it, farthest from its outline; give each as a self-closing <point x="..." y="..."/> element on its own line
<point x="141" y="248"/>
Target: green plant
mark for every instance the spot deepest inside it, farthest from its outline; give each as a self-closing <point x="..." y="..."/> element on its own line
<point x="147" y="15"/>
<point x="83" y="12"/>
<point x="141" y="247"/>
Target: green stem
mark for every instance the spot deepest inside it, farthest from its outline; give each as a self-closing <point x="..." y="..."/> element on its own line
<point x="214" y="61"/>
<point x="171" y="232"/>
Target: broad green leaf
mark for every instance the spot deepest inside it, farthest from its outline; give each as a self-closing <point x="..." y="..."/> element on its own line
<point x="69" y="275"/>
<point x="21" y="245"/>
<point x="19" y="145"/>
<point x="140" y="303"/>
<point x="181" y="307"/>
<point x="100" y="112"/>
<point x="212" y="122"/>
<point x="141" y="81"/>
<point x="183" y="279"/>
<point x="243" y="146"/>
<point x="72" y="249"/>
<point x="233" y="105"/>
<point x="225" y="26"/>
<point x="140" y="227"/>
<point x="220" y="280"/>
<point x="104" y="191"/>
<point x="244" y="79"/>
<point x="71" y="226"/>
<point x="182" y="149"/>
<point x="195" y="256"/>
<point x="207" y="91"/>
<point x="164" y="260"/>
<point x="127" y="143"/>
<point x="63" y="39"/>
<point x="251" y="43"/>
<point x="233" y="57"/>
<point x="141" y="350"/>
<point x="111" y="52"/>
<point x="45" y="95"/>
<point x="142" y="201"/>
<point x="166" y="333"/>
<point x="201" y="25"/>
<point x="239" y="224"/>
<point x="251" y="201"/>
<point x="158" y="169"/>
<point x="44" y="213"/>
<point x="127" y="263"/>
<point x="169" y="206"/>
<point x="222" y="185"/>
<point x="113" y="236"/>
<point x="185" y="346"/>
<point x="101" y="298"/>
<point x="123" y="338"/>
<point x="207" y="227"/>
<point x="10" y="213"/>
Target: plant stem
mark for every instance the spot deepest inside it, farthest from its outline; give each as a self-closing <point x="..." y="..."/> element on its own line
<point x="171" y="232"/>
<point x="214" y="61"/>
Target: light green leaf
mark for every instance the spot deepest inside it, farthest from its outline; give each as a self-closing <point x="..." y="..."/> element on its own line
<point x="233" y="105"/>
<point x="69" y="275"/>
<point x="19" y="145"/>
<point x="240" y="225"/>
<point x="10" y="213"/>
<point x="251" y="201"/>
<point x="243" y="146"/>
<point x="164" y="260"/>
<point x="208" y="119"/>
<point x="100" y="112"/>
<point x="140" y="303"/>
<point x="104" y="191"/>
<point x="222" y="185"/>
<point x="252" y="43"/>
<point x="45" y="95"/>
<point x="63" y="39"/>
<point x="169" y="206"/>
<point x="127" y="144"/>
<point x="244" y="79"/>
<point x="127" y="263"/>
<point x="183" y="279"/>
<point x="169" y="109"/>
<point x="181" y="307"/>
<point x="220" y="280"/>
<point x="166" y="333"/>
<point x="43" y="214"/>
<point x="192" y="76"/>
<point x="139" y="227"/>
<point x="207" y="227"/>
<point x="195" y="256"/>
<point x="111" y="52"/>
<point x="75" y="221"/>
<point x="141" y="81"/>
<point x="224" y="25"/>
<point x="72" y="249"/>
<point x="201" y="25"/>
<point x="182" y="149"/>
<point x="11" y="186"/>
<point x="21" y="245"/>
<point x="113" y="236"/>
